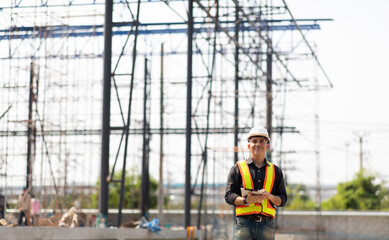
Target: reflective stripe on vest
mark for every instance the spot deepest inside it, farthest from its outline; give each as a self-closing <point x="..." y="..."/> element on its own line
<point x="265" y="208"/>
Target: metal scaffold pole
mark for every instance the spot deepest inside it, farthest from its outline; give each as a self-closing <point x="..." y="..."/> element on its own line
<point x="104" y="171"/>
<point x="269" y="92"/>
<point x="236" y="57"/>
<point x="160" y="184"/>
<point x="189" y="116"/>
<point x="30" y="129"/>
<point x="145" y="153"/>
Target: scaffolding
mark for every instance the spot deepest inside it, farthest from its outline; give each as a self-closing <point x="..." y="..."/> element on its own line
<point x="224" y="67"/>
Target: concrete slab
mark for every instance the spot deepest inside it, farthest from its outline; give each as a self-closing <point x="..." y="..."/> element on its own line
<point x="57" y="233"/>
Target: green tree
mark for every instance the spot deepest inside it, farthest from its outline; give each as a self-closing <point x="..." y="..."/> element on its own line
<point x="298" y="198"/>
<point x="132" y="191"/>
<point x="360" y="194"/>
<point x="385" y="203"/>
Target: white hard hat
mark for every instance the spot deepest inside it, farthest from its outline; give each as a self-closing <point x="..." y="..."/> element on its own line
<point x="258" y="131"/>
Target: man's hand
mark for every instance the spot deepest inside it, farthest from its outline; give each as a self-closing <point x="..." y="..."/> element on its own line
<point x="276" y="200"/>
<point x="255" y="198"/>
<point x="258" y="198"/>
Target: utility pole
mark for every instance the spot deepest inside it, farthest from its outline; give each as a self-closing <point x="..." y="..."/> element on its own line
<point x="347" y="159"/>
<point x="317" y="160"/>
<point x="360" y="137"/>
<point x="360" y="153"/>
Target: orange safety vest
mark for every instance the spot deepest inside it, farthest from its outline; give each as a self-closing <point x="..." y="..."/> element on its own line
<point x="255" y="208"/>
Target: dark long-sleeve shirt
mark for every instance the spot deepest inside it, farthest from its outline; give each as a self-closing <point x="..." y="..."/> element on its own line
<point x="234" y="182"/>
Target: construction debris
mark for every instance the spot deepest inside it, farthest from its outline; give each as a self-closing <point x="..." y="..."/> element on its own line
<point x="69" y="219"/>
<point x="152" y="225"/>
<point x="3" y="222"/>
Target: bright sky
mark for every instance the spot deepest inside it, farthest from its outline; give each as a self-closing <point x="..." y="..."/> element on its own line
<point x="353" y="50"/>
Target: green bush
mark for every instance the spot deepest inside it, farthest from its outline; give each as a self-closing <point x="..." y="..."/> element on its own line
<point x="298" y="198"/>
<point x="359" y="194"/>
<point x="132" y="191"/>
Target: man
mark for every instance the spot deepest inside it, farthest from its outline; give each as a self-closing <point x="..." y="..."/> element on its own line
<point x="255" y="212"/>
<point x="24" y="207"/>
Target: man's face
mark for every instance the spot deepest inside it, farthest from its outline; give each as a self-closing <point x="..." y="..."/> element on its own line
<point x="258" y="145"/>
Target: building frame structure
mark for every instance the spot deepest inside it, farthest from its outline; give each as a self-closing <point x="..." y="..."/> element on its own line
<point x="234" y="33"/>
